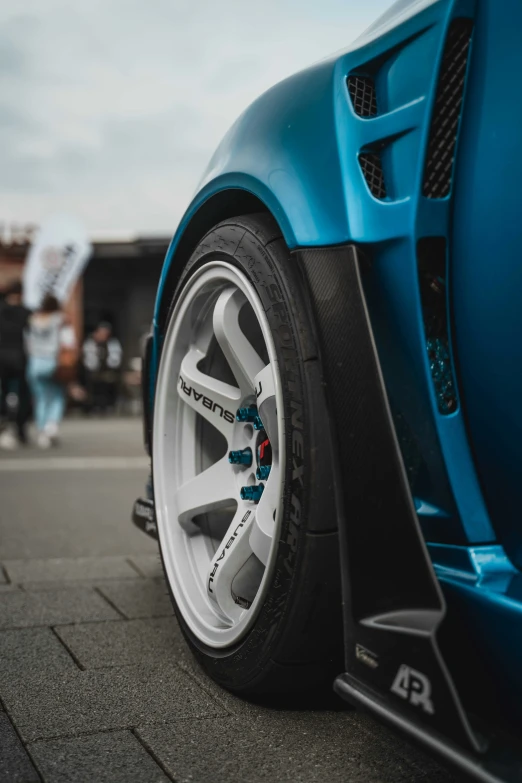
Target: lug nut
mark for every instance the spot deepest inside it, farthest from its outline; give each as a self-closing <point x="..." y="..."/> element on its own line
<point x="263" y="471"/>
<point x="247" y="414"/>
<point x="252" y="493"/>
<point x="241" y="457"/>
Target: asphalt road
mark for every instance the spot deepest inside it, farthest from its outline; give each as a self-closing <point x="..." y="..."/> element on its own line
<point x="96" y="683"/>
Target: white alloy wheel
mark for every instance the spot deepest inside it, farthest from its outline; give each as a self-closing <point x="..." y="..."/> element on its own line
<point x="218" y="545"/>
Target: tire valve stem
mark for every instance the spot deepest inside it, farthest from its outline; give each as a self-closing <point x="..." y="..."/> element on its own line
<point x="253" y="492"/>
<point x="258" y="424"/>
<point x="247" y="414"/>
<point x="263" y="472"/>
<point x="241" y="457"/>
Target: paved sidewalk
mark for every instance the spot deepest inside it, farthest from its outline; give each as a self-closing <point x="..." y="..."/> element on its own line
<point x="96" y="682"/>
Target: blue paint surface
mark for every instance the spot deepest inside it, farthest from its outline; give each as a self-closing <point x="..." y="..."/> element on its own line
<point x="297" y="150"/>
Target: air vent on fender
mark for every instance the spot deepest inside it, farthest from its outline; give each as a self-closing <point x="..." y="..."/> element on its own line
<point x="432" y="271"/>
<point x="438" y="168"/>
<point x="371" y="167"/>
<point x="363" y="95"/>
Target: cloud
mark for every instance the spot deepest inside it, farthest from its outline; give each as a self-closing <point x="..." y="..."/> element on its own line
<point x="112" y="108"/>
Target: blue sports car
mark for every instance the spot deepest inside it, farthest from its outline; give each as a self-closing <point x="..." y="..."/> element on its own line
<point x="333" y="387"/>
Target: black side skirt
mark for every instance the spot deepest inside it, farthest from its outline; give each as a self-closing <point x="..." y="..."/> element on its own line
<point x="393" y="605"/>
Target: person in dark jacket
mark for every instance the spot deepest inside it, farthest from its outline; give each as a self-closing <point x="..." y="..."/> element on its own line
<point x="14" y="391"/>
<point x="101" y="360"/>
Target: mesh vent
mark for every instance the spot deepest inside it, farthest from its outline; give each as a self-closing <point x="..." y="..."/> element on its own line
<point x="362" y="93"/>
<point x="446" y="113"/>
<point x="371" y="165"/>
<point x="432" y="268"/>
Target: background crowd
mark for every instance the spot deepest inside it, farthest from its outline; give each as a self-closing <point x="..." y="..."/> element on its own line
<point x="42" y="369"/>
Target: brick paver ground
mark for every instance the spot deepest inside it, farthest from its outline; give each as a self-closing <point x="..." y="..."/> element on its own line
<point x="96" y="682"/>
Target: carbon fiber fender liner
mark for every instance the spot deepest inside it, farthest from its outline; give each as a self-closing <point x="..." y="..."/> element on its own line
<point x="146" y="395"/>
<point x="392" y="601"/>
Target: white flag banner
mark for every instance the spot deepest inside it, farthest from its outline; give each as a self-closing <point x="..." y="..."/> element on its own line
<point x="57" y="257"/>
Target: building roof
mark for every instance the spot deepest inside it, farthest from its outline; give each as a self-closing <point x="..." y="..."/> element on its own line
<point x="135" y="247"/>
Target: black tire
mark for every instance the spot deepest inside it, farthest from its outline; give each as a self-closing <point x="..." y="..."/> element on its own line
<point x="296" y="641"/>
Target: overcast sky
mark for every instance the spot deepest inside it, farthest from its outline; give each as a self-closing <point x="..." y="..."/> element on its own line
<point x="110" y="109"/>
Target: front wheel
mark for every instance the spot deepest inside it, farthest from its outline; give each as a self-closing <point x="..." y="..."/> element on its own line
<point x="242" y="467"/>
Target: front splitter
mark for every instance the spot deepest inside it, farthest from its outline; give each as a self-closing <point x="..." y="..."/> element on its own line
<point x="500" y="764"/>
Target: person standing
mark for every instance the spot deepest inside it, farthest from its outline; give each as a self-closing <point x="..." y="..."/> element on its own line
<point x="14" y="391"/>
<point x="102" y="355"/>
<point x="48" y="332"/>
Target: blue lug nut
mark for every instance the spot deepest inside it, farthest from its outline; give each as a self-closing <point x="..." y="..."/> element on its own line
<point x="247" y="414"/>
<point x="252" y="493"/>
<point x="263" y="471"/>
<point x="241" y="457"/>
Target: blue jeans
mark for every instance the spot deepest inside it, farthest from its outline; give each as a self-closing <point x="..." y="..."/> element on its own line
<point x="48" y="396"/>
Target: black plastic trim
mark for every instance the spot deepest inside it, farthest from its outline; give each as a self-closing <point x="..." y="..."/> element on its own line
<point x="393" y="605"/>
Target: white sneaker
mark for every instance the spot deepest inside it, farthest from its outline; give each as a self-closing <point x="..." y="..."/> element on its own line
<point x="51" y="430"/>
<point x="8" y="441"/>
<point x="43" y="440"/>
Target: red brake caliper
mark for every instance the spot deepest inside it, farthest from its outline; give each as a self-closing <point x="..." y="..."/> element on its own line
<point x="264" y="453"/>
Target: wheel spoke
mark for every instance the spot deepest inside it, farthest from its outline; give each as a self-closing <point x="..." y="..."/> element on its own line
<point x="239" y="352"/>
<point x="212" y="489"/>
<point x="215" y="400"/>
<point x="230" y="557"/>
<point x="262" y="531"/>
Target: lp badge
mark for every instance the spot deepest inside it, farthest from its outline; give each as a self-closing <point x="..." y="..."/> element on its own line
<point x="413" y="686"/>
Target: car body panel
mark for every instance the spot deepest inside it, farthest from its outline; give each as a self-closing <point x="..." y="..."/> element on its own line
<point x="487" y="280"/>
<point x="297" y="150"/>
